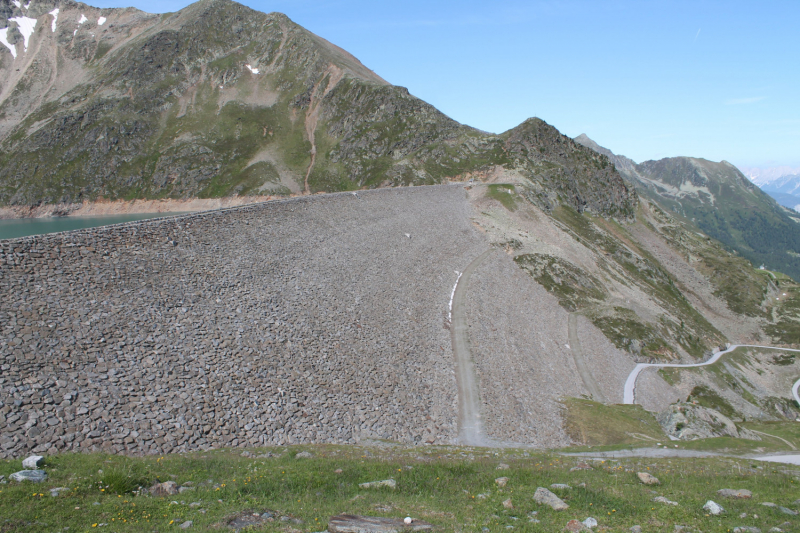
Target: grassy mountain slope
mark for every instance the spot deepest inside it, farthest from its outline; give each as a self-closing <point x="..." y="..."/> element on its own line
<point x="218" y="99"/>
<point x="722" y="203"/>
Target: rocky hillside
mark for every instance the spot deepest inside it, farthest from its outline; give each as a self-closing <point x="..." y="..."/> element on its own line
<point x="721" y="202"/>
<point x="218" y="99"/>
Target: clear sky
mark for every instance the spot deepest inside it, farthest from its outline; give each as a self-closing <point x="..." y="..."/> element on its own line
<point x="646" y="79"/>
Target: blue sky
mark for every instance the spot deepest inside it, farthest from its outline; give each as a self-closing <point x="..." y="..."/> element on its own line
<point x="647" y="79"/>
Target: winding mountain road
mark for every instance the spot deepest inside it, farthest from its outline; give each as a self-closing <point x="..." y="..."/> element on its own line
<point x="630" y="384"/>
<point x="470" y="426"/>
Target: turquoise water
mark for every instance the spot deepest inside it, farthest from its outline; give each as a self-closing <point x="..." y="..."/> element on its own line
<point x="22" y="227"/>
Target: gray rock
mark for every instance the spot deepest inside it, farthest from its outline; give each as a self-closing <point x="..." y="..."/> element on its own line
<point x="590" y="523"/>
<point x="183" y="489"/>
<point x="636" y="529"/>
<point x="661" y="499"/>
<point x="372" y="524"/>
<point x="56" y="492"/>
<point x="545" y="497"/>
<point x="391" y="483"/>
<point x="785" y="510"/>
<point x="168" y="488"/>
<point x="186" y="525"/>
<point x="713" y="508"/>
<point x="501" y="481"/>
<point x="36" y="476"/>
<point x="508" y="504"/>
<point x="304" y="455"/>
<point x="741" y="494"/>
<point x="32" y="462"/>
<point x="502" y="466"/>
<point x="746" y="529"/>
<point x="647" y="479"/>
<point x="560" y="486"/>
<point x="690" y="422"/>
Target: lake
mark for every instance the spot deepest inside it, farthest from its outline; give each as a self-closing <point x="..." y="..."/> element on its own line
<point x="22" y="227"/>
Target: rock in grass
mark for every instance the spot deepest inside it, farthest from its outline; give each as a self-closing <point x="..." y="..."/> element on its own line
<point x="560" y="486"/>
<point x="545" y="497"/>
<point x="372" y="524"/>
<point x="648" y="479"/>
<point x="32" y="462"/>
<point x="590" y="522"/>
<point x="746" y="529"/>
<point x="56" y="492"/>
<point x="661" y="499"/>
<point x="36" y="476"/>
<point x="186" y="525"/>
<point x="713" y="508"/>
<point x="508" y="504"/>
<point x="502" y="466"/>
<point x="168" y="488"/>
<point x="574" y="526"/>
<point x="304" y="455"/>
<point x="739" y="494"/>
<point x="501" y="481"/>
<point x="636" y="529"/>
<point x="391" y="483"/>
<point x="580" y="466"/>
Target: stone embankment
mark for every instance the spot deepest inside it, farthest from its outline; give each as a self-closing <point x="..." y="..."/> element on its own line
<point x="320" y="319"/>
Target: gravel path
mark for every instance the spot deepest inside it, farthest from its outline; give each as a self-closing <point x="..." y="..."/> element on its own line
<point x="580" y="361"/>
<point x="470" y="425"/>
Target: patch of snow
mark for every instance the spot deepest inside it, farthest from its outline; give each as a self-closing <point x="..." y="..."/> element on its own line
<point x="28" y="4"/>
<point x="26" y="26"/>
<point x="101" y="21"/>
<point x="16" y="3"/>
<point x="82" y="19"/>
<point x="55" y="18"/>
<point x="253" y="70"/>
<point x="73" y="33"/>
<point x="4" y="40"/>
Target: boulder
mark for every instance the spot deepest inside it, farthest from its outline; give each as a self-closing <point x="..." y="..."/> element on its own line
<point x="168" y="488"/>
<point x="304" y="455"/>
<point x="713" y="508"/>
<point x="690" y="422"/>
<point x="545" y="497"/>
<point x="32" y="462"/>
<point x="391" y="483"/>
<point x="739" y="494"/>
<point x="574" y="526"/>
<point x="648" y="479"/>
<point x="508" y="504"/>
<point x="501" y="481"/>
<point x="346" y="523"/>
<point x="590" y="522"/>
<point x="36" y="476"/>
<point x="661" y="499"/>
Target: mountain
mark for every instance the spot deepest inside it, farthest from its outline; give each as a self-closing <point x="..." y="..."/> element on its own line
<point x="762" y="175"/>
<point x="218" y="99"/>
<point x="784" y="189"/>
<point x="722" y="203"/>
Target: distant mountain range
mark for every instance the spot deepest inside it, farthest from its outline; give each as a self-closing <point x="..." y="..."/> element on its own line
<point x="720" y="200"/>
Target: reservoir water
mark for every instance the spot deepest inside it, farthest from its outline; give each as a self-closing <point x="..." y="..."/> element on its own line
<point x="22" y="227"/>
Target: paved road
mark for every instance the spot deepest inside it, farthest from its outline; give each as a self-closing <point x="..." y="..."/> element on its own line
<point x="630" y="384"/>
<point x="580" y="361"/>
<point x="470" y="426"/>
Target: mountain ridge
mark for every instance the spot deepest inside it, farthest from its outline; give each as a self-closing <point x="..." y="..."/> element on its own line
<point x="218" y="99"/>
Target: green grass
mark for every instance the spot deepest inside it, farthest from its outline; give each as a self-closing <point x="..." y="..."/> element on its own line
<point x="503" y="193"/>
<point x="452" y="488"/>
<point x="595" y="424"/>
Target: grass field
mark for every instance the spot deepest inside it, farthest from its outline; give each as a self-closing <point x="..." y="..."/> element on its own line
<point x="453" y="488"/>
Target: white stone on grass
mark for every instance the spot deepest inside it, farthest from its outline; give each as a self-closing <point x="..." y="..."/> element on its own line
<point x="713" y="508"/>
